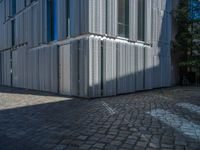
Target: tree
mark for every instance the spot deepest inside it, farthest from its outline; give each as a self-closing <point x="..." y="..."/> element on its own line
<point x="188" y="36"/>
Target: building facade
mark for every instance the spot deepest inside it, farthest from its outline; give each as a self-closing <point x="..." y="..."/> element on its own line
<point x="86" y="48"/>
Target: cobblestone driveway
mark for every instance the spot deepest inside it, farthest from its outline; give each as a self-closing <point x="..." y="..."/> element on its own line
<point x="159" y="119"/>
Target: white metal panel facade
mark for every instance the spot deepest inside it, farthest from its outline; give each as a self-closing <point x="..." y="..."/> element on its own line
<point x="88" y="58"/>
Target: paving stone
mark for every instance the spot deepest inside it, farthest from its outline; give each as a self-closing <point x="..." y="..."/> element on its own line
<point x="60" y="147"/>
<point x="37" y="120"/>
<point x="99" y="145"/>
<point x="81" y="137"/>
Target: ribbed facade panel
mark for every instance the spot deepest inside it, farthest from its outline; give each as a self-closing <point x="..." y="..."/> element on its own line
<point x="94" y="66"/>
<point x="139" y="65"/>
<point x="6" y="68"/>
<point x="109" y="68"/>
<point x="65" y="70"/>
<point x="84" y="67"/>
<point x="133" y="19"/>
<point x="75" y="48"/>
<point x="19" y="67"/>
<point x="20" y="4"/>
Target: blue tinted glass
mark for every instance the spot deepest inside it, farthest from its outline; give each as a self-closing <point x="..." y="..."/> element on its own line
<point x="13" y="7"/>
<point x="52" y="33"/>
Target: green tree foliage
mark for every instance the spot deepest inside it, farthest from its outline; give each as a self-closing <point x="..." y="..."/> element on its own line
<point x="188" y="34"/>
<point x="184" y="35"/>
<point x="188" y="29"/>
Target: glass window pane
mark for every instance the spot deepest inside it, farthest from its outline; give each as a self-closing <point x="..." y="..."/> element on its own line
<point x="141" y="21"/>
<point x="123" y="18"/>
<point x="13" y="32"/>
<point x="68" y="17"/>
<point x="13" y="7"/>
<point x="52" y="33"/>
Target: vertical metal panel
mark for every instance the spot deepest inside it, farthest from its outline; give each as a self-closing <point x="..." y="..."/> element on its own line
<point x="133" y="19"/>
<point x="19" y="67"/>
<point x="84" y="16"/>
<point x="94" y="66"/>
<point x="62" y="19"/>
<point x="121" y="68"/>
<point x="6" y="68"/>
<point x="20" y="4"/>
<point x="139" y="68"/>
<point x="157" y="71"/>
<point x="148" y="68"/>
<point x="43" y="21"/>
<point x="90" y="66"/>
<point x="1" y="71"/>
<point x="148" y="21"/>
<point x="83" y="67"/>
<point x="74" y="67"/>
<point x="33" y="63"/>
<point x="75" y="17"/>
<point x="112" y="18"/>
<point x="109" y="73"/>
<point x="2" y="20"/>
<point x="126" y="67"/>
<point x="65" y="70"/>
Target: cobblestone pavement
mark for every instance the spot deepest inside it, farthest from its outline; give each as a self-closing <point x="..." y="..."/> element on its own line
<point x="158" y="119"/>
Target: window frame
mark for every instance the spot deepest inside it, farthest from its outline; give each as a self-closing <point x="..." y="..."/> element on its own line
<point x="124" y="23"/>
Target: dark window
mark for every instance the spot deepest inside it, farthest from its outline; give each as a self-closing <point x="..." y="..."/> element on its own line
<point x="13" y="32"/>
<point x="13" y="4"/>
<point x="68" y="17"/>
<point x="123" y="18"/>
<point x="51" y="20"/>
<point x="141" y="19"/>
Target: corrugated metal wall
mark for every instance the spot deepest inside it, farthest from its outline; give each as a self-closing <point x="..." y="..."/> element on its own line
<point x="106" y="67"/>
<point x="36" y="68"/>
<point x="88" y="59"/>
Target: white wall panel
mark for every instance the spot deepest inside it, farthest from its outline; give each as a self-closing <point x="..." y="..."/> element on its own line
<point x="64" y="70"/>
<point x="94" y="66"/>
<point x="133" y="19"/>
<point x="148" y="21"/>
<point x="84" y="67"/>
<point x="109" y="57"/>
<point x="90" y="66"/>
<point x="112" y="17"/>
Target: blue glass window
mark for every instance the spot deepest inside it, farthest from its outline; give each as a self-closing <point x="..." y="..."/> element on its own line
<point x="52" y="33"/>
<point x="13" y="5"/>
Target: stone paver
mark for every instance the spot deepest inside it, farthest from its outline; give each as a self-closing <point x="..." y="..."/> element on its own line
<point x="36" y="120"/>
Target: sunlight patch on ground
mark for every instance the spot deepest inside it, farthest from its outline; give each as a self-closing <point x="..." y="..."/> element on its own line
<point x="13" y="100"/>
<point x="190" y="107"/>
<point x="182" y="125"/>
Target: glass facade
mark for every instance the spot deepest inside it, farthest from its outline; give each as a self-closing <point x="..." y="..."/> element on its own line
<point x="141" y="19"/>
<point x="123" y="18"/>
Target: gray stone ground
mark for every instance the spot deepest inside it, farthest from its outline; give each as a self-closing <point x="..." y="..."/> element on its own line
<point x="35" y="120"/>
